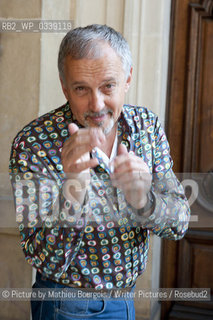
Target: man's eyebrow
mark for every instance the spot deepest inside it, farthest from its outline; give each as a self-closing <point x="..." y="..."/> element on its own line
<point x="109" y="80"/>
<point x="79" y="83"/>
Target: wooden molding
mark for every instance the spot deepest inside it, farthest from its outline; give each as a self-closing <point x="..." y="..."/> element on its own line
<point x="197" y="60"/>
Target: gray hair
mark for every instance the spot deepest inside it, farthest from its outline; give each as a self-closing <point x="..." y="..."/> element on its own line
<point x="84" y="42"/>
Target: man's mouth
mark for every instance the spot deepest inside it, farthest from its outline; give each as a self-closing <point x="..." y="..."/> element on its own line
<point x="98" y="117"/>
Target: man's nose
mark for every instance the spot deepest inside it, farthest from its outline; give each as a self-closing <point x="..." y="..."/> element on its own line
<point x="96" y="103"/>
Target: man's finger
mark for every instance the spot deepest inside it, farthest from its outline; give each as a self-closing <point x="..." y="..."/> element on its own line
<point x="73" y="128"/>
<point x="122" y="149"/>
<point x="76" y="154"/>
<point x="79" y="167"/>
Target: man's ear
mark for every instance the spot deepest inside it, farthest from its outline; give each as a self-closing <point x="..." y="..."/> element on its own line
<point x="64" y="88"/>
<point x="128" y="81"/>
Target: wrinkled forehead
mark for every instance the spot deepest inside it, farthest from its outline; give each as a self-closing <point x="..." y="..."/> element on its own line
<point x="104" y="64"/>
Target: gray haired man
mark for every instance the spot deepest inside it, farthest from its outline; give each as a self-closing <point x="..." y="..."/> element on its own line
<point x="91" y="179"/>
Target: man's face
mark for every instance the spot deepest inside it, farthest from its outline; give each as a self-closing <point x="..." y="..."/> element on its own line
<point x="95" y="88"/>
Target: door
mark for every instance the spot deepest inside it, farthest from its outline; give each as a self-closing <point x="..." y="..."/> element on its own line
<point x="189" y="263"/>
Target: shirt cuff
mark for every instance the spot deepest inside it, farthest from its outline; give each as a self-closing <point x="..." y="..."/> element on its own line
<point x="148" y="209"/>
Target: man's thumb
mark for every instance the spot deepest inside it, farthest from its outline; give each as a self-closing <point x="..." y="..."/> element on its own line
<point x="73" y="128"/>
<point x="122" y="149"/>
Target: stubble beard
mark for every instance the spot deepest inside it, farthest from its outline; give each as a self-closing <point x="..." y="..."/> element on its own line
<point x="106" y="130"/>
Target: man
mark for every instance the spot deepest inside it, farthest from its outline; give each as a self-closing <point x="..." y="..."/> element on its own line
<point x="91" y="179"/>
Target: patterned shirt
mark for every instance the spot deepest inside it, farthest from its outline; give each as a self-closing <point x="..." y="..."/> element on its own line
<point x="102" y="243"/>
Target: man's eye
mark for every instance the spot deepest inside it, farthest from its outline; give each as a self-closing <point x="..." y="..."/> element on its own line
<point x="80" y="88"/>
<point x="109" y="86"/>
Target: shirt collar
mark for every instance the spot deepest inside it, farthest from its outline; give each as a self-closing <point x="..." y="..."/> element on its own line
<point x="125" y="128"/>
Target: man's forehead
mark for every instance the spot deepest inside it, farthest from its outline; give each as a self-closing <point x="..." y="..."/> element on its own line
<point x="109" y="65"/>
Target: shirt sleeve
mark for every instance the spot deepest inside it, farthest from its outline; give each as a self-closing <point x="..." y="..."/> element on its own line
<point x="51" y="226"/>
<point x="171" y="213"/>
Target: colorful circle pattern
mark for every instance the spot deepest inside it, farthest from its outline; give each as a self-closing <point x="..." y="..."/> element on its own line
<point x="108" y="249"/>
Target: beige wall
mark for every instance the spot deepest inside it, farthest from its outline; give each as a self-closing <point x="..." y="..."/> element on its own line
<point x="19" y="103"/>
<point x="29" y="85"/>
<point x="19" y="74"/>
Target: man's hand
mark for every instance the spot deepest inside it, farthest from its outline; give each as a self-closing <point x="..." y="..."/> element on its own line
<point x="131" y="174"/>
<point x="76" y="159"/>
<point x="75" y="152"/>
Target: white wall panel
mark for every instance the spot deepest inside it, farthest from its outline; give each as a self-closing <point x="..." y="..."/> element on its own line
<point x="51" y="95"/>
<point x="115" y="14"/>
<point x="146" y="27"/>
<point x="89" y="12"/>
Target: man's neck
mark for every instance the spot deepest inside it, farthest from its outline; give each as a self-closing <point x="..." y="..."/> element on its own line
<point x="110" y="138"/>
